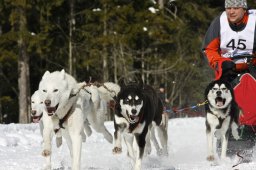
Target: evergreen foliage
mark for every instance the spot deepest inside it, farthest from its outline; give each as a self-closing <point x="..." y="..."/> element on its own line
<point x="131" y="37"/>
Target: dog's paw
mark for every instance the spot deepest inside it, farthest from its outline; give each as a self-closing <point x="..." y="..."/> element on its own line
<point x="236" y="136"/>
<point x="162" y="152"/>
<point x="225" y="159"/>
<point x="147" y="152"/>
<point x="159" y="152"/>
<point x="47" y="167"/>
<point x="117" y="150"/>
<point x="131" y="155"/>
<point x="234" y="128"/>
<point x="46" y="153"/>
<point x="210" y="158"/>
<point x="87" y="128"/>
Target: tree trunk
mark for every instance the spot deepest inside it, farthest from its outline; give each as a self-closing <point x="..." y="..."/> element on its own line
<point x="1" y="113"/>
<point x="71" y="25"/>
<point x="161" y="4"/>
<point x="115" y="68"/>
<point x="23" y="82"/>
<point x="142" y="66"/>
<point x="104" y="55"/>
<point x="23" y="67"/>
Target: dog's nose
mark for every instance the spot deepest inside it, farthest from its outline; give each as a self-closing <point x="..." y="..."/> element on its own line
<point x="134" y="111"/>
<point x="47" y="102"/>
<point x="33" y="112"/>
<point x="218" y="93"/>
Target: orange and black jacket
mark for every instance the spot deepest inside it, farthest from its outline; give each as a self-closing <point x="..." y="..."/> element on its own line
<point x="211" y="45"/>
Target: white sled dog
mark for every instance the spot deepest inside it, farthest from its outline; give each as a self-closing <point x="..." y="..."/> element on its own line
<point x="73" y="107"/>
<point x="68" y="107"/>
<point x="98" y="110"/>
<point x="46" y="124"/>
<point x="39" y="114"/>
<point x="37" y="109"/>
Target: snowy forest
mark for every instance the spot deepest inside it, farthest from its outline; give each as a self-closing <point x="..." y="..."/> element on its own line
<point x="103" y="40"/>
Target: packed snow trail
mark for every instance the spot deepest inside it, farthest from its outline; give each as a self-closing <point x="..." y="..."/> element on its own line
<point x="20" y="149"/>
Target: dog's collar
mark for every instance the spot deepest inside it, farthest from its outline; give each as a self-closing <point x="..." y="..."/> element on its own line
<point x="61" y="121"/>
<point x="225" y="111"/>
<point x="220" y="122"/>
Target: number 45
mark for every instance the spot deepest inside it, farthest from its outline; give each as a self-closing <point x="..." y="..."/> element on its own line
<point x="240" y="45"/>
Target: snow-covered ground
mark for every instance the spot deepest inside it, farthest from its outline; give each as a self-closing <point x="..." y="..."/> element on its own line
<point x="20" y="149"/>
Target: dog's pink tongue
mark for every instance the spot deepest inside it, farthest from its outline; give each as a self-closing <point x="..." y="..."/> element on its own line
<point x="219" y="103"/>
<point x="36" y="120"/>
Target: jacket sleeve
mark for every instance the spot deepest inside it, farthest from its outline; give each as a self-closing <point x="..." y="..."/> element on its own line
<point x="211" y="47"/>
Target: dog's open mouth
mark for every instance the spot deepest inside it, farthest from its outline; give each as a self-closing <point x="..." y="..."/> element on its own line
<point x="132" y="118"/>
<point x="219" y="101"/>
<point x="52" y="110"/>
<point x="36" y="119"/>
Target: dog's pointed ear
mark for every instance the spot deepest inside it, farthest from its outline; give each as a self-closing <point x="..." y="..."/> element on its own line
<point x="45" y="74"/>
<point x="122" y="82"/>
<point x="62" y="74"/>
<point x="140" y="82"/>
<point x="207" y="89"/>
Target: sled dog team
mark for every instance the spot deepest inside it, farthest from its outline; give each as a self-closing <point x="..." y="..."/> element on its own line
<point x="65" y="108"/>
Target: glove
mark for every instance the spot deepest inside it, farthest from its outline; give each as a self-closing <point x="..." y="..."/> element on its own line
<point x="228" y="65"/>
<point x="228" y="71"/>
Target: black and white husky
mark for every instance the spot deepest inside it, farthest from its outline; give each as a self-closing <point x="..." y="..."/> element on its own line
<point x="221" y="115"/>
<point x="138" y="110"/>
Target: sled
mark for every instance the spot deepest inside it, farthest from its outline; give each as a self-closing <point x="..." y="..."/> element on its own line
<point x="245" y="92"/>
<point x="245" y="95"/>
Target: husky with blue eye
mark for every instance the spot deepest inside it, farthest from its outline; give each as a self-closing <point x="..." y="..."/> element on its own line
<point x="138" y="111"/>
<point x="222" y="114"/>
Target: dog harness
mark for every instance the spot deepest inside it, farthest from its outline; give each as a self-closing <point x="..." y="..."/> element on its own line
<point x="221" y="120"/>
<point x="61" y="121"/>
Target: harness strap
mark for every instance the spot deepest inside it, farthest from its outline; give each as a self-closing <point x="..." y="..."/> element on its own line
<point x="61" y="121"/>
<point x="82" y="87"/>
<point x="66" y="117"/>
<point x="221" y="120"/>
<point x="111" y="91"/>
<point x="190" y="107"/>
